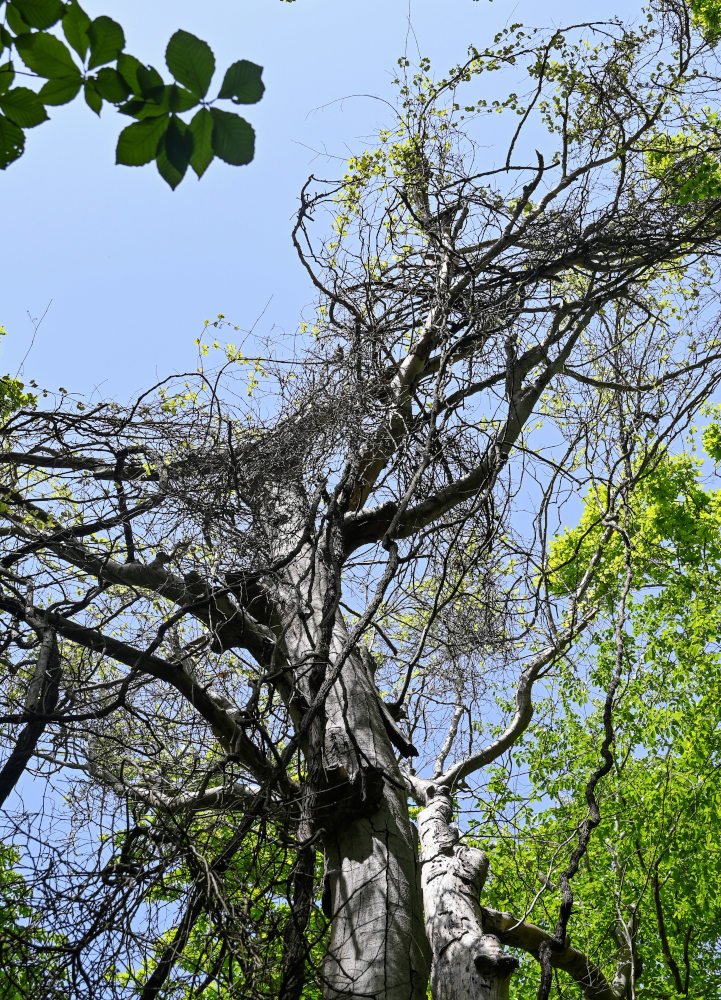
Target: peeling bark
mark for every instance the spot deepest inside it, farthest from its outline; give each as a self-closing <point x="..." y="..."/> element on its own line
<point x="467" y="961"/>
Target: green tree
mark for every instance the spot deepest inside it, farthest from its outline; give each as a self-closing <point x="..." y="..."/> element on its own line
<point x="646" y="902"/>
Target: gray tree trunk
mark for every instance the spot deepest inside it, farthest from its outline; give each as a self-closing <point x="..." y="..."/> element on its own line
<point x="466" y="962"/>
<point x="378" y="949"/>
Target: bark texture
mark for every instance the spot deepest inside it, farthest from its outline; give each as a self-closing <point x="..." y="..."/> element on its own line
<point x="377" y="949"/>
<point x="467" y="962"/>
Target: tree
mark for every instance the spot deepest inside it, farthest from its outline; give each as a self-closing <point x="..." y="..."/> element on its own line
<point x="158" y="133"/>
<point x="238" y="608"/>
<point x="648" y="892"/>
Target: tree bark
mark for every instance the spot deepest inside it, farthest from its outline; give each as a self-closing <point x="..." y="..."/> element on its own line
<point x="467" y="962"/>
<point x="377" y="949"/>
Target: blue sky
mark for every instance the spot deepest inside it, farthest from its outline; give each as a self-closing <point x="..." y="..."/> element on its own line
<point x="131" y="269"/>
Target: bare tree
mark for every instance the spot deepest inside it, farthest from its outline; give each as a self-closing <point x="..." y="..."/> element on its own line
<point x="251" y="632"/>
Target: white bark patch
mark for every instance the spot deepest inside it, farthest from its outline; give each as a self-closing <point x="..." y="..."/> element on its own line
<point x="467" y="963"/>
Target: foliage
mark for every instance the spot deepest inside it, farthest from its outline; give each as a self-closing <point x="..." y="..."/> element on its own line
<point x="653" y="866"/>
<point x="12" y="392"/>
<point x="25" y="970"/>
<point x="89" y="55"/>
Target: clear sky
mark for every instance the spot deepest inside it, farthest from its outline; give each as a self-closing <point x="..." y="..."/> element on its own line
<point x="132" y="269"/>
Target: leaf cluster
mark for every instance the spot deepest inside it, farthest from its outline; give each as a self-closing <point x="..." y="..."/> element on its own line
<point x="87" y="54"/>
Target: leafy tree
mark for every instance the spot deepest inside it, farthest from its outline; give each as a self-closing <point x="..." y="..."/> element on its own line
<point x="648" y="889"/>
<point x="88" y="55"/>
<point x="253" y="614"/>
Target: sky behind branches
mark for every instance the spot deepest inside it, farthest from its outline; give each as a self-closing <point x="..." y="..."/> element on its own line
<point x="122" y="270"/>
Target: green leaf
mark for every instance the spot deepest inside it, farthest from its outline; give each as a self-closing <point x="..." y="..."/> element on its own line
<point x="75" y="25"/>
<point x="106" y="41"/>
<point x="128" y="67"/>
<point x="12" y="142"/>
<point x="178" y="145"/>
<point x="61" y="90"/>
<point x="45" y="55"/>
<point x="7" y="75"/>
<point x="16" y="21"/>
<point x="39" y="13"/>
<point x="138" y="143"/>
<point x="191" y="62"/>
<point x="23" y="106"/>
<point x="111" y="85"/>
<point x="233" y="137"/>
<point x="242" y="83"/>
<point x="167" y="171"/>
<point x="201" y="128"/>
<point x="150" y="81"/>
<point x="180" y="99"/>
<point x="93" y="99"/>
<point x="170" y="97"/>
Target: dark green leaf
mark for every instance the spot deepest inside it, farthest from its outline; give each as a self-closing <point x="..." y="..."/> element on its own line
<point x="6" y="39"/>
<point x="138" y="143"/>
<point x="233" y="137"/>
<point x="75" y="25"/>
<point x="106" y="41"/>
<point x="128" y="67"/>
<point x="39" y="13"/>
<point x="167" y="171"/>
<point x="61" y="90"/>
<point x="16" y="21"/>
<point x="111" y="86"/>
<point x="191" y="62"/>
<point x="45" y="55"/>
<point x="92" y="98"/>
<point x="138" y="108"/>
<point x="12" y="142"/>
<point x="170" y="97"/>
<point x="201" y="128"/>
<point x="7" y="75"/>
<point x="178" y="144"/>
<point x="23" y="106"/>
<point x="150" y="81"/>
<point x="180" y="99"/>
<point x="242" y="83"/>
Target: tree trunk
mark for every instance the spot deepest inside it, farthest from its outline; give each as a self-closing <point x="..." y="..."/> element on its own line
<point x="466" y="962"/>
<point x="377" y="949"/>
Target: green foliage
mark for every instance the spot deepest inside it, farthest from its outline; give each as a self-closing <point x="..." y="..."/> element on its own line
<point x="654" y="864"/>
<point x="12" y="392"/>
<point x="22" y="973"/>
<point x="707" y="14"/>
<point x="673" y="525"/>
<point x="65" y="60"/>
